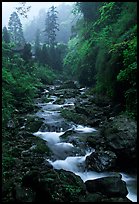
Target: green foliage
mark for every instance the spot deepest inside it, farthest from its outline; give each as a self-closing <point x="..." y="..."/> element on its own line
<point x="129" y="75"/>
<point x="7" y="105"/>
<point x="109" y="13"/>
<point x="44" y="73"/>
<point x="71" y="60"/>
<point x="71" y="190"/>
<point x="130" y="63"/>
<point x="80" y="57"/>
<point x="89" y="10"/>
<point x="103" y="53"/>
<point x="18" y="86"/>
<point x="8" y="160"/>
<point x="5" y="35"/>
<point x="50" y="56"/>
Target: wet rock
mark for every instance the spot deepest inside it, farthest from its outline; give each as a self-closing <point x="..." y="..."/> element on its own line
<point x="55" y="126"/>
<point x="120" y="136"/>
<point x="67" y="93"/>
<point x="92" y="197"/>
<point x="116" y="200"/>
<point x="11" y="124"/>
<point x="94" y="122"/>
<point x="93" y="113"/>
<point x="57" y="82"/>
<point x="116" y="109"/>
<point x="33" y="124"/>
<point x="95" y="140"/>
<point x="100" y="100"/>
<point x="71" y="115"/>
<point x="67" y="134"/>
<point x="69" y="85"/>
<point x="101" y="160"/>
<point x="60" y="100"/>
<point x="54" y="185"/>
<point x="110" y="186"/>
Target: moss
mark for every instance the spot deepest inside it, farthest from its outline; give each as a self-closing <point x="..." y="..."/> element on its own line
<point x="41" y="147"/>
<point x="33" y="124"/>
<point x="73" y="116"/>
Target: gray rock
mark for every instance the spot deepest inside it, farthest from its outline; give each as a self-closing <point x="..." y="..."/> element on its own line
<point x="111" y="186"/>
<point x="116" y="200"/>
<point x="55" y="185"/>
<point x="101" y="160"/>
<point x="120" y="136"/>
<point x="92" y="197"/>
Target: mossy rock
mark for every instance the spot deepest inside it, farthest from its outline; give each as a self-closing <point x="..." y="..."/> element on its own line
<point x="71" y="115"/>
<point x="33" y="124"/>
<point x="41" y="147"/>
<point x="67" y="134"/>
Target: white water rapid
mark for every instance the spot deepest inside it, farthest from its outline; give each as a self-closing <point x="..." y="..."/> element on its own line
<point x="51" y="113"/>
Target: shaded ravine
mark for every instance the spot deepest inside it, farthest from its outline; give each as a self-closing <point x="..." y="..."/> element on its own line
<point x="66" y="155"/>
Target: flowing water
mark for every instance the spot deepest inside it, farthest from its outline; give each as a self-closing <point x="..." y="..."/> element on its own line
<point x="54" y="126"/>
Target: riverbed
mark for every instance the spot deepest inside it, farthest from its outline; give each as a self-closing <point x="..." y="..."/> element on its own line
<point x="66" y="155"/>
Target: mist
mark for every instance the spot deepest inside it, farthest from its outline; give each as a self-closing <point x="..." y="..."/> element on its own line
<point x="9" y="7"/>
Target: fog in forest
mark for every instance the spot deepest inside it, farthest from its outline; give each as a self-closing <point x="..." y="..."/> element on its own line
<point x="9" y="7"/>
<point x="36" y="18"/>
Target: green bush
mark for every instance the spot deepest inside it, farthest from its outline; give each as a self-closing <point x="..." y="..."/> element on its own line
<point x="44" y="73"/>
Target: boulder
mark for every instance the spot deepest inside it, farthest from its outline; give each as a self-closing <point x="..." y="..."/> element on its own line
<point x="116" y="200"/>
<point x="66" y="93"/>
<point x="54" y="185"/>
<point x="92" y="197"/>
<point x="101" y="160"/>
<point x="69" y="85"/>
<point x="111" y="186"/>
<point x="33" y="123"/>
<point x="95" y="140"/>
<point x="120" y="136"/>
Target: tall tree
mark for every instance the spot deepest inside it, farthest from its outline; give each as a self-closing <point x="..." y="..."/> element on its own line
<point x="27" y="54"/>
<point x="44" y="56"/>
<point x="37" y="48"/>
<point x="5" y="35"/>
<point x="15" y="30"/>
<point x="51" y="26"/>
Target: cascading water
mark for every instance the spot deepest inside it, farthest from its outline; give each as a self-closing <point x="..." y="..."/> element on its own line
<point x="51" y="113"/>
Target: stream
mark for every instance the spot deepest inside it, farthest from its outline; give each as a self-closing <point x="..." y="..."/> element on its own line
<point x="68" y="156"/>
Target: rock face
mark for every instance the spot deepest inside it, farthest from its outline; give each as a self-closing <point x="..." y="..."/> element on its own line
<point x="101" y="160"/>
<point x="111" y="186"/>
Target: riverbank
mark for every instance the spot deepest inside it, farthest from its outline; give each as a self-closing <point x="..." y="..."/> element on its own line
<point x="31" y="177"/>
